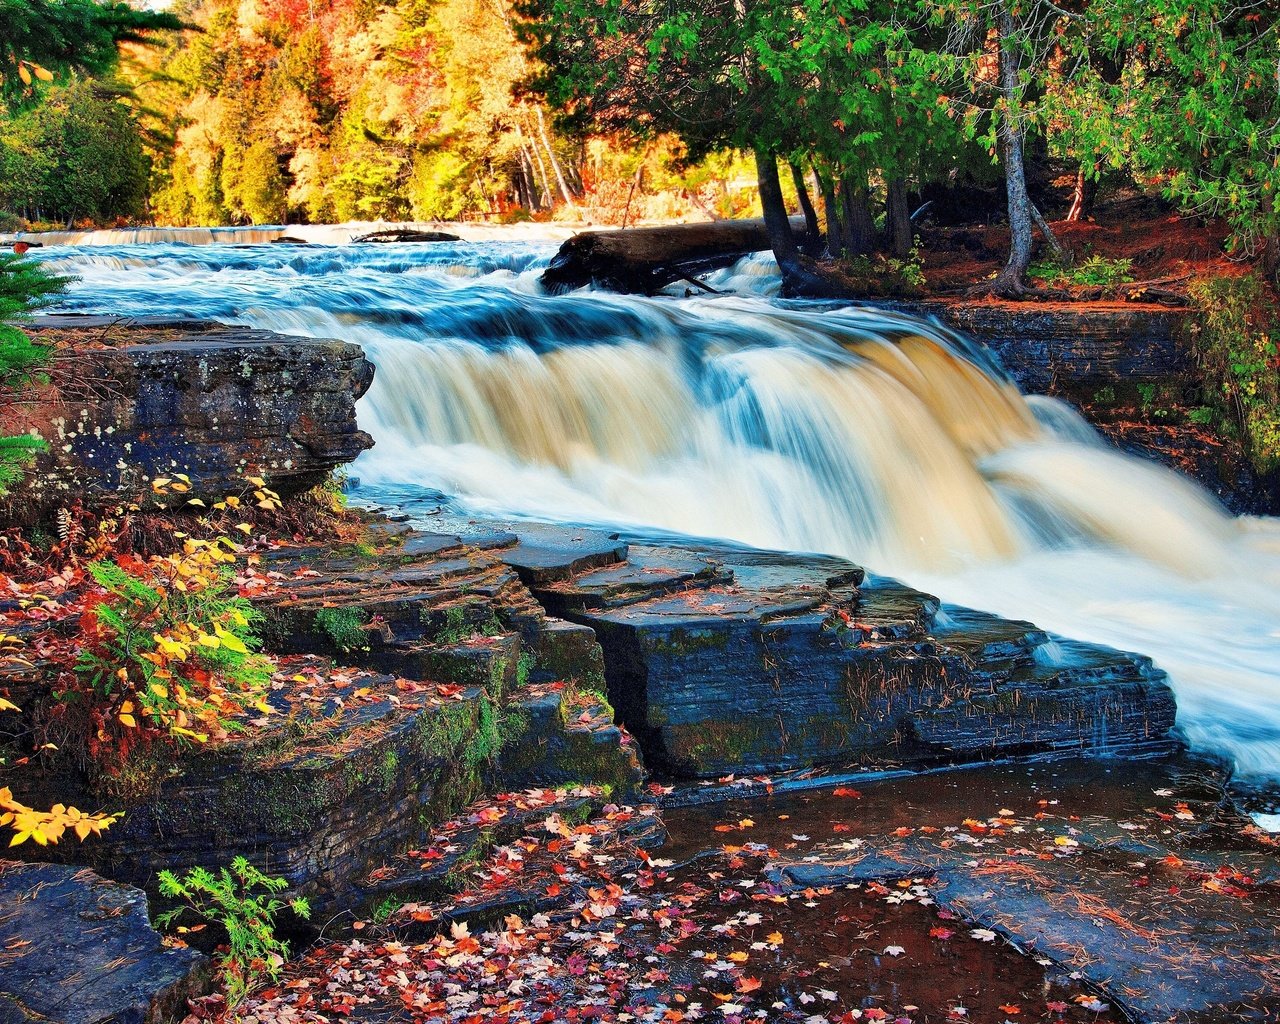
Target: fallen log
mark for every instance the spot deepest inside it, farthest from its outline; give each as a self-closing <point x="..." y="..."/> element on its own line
<point x="642" y="261"/>
<point x="406" y="235"/>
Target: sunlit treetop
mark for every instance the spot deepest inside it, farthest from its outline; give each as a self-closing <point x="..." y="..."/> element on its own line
<point x="42" y="39"/>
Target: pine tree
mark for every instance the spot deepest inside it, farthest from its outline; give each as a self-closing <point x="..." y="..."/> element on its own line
<point x="24" y="287"/>
<point x="40" y="38"/>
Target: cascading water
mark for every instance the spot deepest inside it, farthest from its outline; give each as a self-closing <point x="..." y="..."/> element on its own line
<point x="797" y="426"/>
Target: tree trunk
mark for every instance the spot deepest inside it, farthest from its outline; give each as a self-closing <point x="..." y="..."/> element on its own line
<point x="1010" y="282"/>
<point x="860" y="226"/>
<point x="551" y="156"/>
<point x="897" y="222"/>
<point x="781" y="240"/>
<point x="813" y="244"/>
<point x="796" y="280"/>
<point x="1077" y="197"/>
<point x="830" y="211"/>
<point x="1060" y="253"/>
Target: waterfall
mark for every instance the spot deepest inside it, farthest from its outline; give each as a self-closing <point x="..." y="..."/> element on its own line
<point x="801" y="426"/>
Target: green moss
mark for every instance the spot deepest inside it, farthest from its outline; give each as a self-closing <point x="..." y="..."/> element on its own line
<point x="385" y="908"/>
<point x="345" y="627"/>
<point x="525" y="664"/>
<point x="388" y="771"/>
<point x="689" y="641"/>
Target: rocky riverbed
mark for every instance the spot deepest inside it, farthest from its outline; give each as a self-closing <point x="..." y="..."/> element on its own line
<point x="539" y="772"/>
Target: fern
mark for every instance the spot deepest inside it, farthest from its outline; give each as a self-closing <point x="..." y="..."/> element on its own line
<point x="243" y="901"/>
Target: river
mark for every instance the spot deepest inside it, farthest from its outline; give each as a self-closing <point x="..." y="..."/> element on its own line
<point x="797" y="426"/>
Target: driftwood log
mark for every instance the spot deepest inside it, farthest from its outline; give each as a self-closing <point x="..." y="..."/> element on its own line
<point x="642" y="261"/>
<point x="407" y="235"/>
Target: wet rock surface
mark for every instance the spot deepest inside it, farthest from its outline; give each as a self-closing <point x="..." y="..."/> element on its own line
<point x="1056" y="351"/>
<point x="211" y="402"/>
<point x="804" y="662"/>
<point x="1138" y="879"/>
<point x="80" y="950"/>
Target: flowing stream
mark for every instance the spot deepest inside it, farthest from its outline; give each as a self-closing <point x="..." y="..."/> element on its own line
<point x="796" y="426"/>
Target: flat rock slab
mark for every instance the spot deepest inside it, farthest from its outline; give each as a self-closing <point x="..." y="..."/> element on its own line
<point x="545" y="554"/>
<point x="80" y="950"/>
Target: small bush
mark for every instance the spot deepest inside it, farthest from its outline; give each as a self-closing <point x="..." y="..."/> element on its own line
<point x="243" y="902"/>
<point x="879" y="274"/>
<point x="170" y="645"/>
<point x="1235" y="343"/>
<point x="25" y="286"/>
<point x="1093" y="272"/>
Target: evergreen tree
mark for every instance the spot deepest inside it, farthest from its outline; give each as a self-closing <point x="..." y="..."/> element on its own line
<point x="41" y="38"/>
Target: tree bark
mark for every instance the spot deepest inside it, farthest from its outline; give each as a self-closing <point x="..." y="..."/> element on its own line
<point x="860" y="226"/>
<point x="897" y="224"/>
<point x="1011" y="281"/>
<point x="796" y="279"/>
<point x="826" y="189"/>
<point x="814" y="241"/>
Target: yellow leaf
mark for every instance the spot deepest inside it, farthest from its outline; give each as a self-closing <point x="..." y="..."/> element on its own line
<point x="244" y="528"/>
<point x="20" y="838"/>
<point x="230" y="640"/>
<point x="160" y="483"/>
<point x="206" y="640"/>
<point x="24" y="74"/>
<point x="44" y="74"/>
<point x="129" y="721"/>
<point x="196" y="501"/>
<point x="257" y="481"/>
<point x="8" y="705"/>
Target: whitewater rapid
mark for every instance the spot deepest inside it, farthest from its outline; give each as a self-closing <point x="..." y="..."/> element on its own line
<point x="795" y="426"/>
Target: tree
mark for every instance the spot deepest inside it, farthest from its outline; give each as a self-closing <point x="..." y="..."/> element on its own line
<point x="41" y="38"/>
<point x="691" y="69"/>
<point x="998" y="52"/>
<point x="76" y="155"/>
<point x="1184" y="95"/>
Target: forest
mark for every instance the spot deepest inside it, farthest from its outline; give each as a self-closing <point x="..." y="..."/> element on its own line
<point x="855" y="112"/>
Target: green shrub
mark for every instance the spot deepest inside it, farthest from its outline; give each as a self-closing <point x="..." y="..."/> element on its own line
<point x="244" y="903"/>
<point x="1093" y="272"/>
<point x="25" y="286"/>
<point x="1235" y="342"/>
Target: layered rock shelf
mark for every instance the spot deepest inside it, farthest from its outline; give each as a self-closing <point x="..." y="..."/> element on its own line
<point x="768" y="662"/>
<point x="210" y="402"/>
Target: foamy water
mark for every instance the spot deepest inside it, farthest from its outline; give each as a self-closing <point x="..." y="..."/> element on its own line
<point x="797" y="426"/>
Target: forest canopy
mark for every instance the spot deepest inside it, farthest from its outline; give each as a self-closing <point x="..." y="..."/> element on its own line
<point x="279" y="110"/>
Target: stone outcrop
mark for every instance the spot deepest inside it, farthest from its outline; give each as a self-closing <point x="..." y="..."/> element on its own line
<point x="211" y="402"/>
<point x="80" y="950"/>
<point x="759" y="662"/>
<point x="1069" y="351"/>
